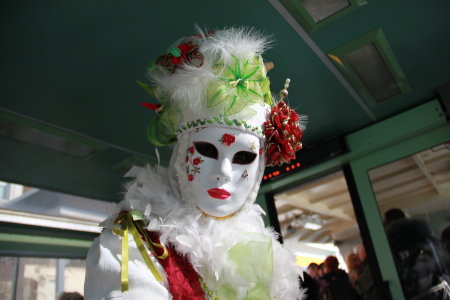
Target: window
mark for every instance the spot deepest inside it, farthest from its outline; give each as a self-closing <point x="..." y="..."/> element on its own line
<point x="317" y="220"/>
<point x="413" y="198"/>
<point x="27" y="278"/>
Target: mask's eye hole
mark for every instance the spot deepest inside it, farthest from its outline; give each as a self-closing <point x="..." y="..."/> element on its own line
<point x="244" y="157"/>
<point x="207" y="149"/>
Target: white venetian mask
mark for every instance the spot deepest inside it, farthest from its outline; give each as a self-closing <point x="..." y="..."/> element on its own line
<point x="221" y="169"/>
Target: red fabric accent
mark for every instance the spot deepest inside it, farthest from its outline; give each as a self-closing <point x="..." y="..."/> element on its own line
<point x="151" y="106"/>
<point x="183" y="280"/>
<point x="189" y="54"/>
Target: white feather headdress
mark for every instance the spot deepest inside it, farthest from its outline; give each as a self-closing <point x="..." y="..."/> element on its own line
<point x="212" y="78"/>
<point x="219" y="79"/>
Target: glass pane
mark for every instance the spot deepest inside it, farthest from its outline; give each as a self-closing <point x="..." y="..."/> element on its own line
<point x="36" y="279"/>
<point x="322" y="9"/>
<point x="373" y="72"/>
<point x="7" y="277"/>
<point x="74" y="273"/>
<point x="33" y="206"/>
<point x="413" y="195"/>
<point x="317" y="221"/>
<point x="3" y="192"/>
<point x="40" y="278"/>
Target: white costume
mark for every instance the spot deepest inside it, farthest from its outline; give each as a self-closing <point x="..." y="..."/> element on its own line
<point x="202" y="207"/>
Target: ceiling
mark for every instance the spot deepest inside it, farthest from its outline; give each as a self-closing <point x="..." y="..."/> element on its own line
<point x="68" y="69"/>
<point x="418" y="184"/>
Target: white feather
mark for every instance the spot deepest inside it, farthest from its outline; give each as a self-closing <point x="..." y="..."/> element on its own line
<point x="207" y="241"/>
<point x="241" y="42"/>
<point x="187" y="86"/>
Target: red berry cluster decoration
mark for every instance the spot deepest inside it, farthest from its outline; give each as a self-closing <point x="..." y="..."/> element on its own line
<point x="283" y="134"/>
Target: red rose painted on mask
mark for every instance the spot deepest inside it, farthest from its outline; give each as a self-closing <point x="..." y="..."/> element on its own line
<point x="192" y="164"/>
<point x="196" y="161"/>
<point x="228" y="139"/>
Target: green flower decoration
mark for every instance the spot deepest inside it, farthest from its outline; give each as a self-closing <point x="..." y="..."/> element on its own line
<point x="241" y="83"/>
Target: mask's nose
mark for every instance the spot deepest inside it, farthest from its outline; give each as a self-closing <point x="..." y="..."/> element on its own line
<point x="224" y="171"/>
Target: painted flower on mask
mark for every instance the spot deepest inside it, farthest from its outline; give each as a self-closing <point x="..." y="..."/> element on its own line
<point x="192" y="164"/>
<point x="227" y="139"/>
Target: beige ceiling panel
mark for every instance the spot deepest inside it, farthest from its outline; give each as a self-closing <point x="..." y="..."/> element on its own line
<point x="410" y="187"/>
<point x="393" y="180"/>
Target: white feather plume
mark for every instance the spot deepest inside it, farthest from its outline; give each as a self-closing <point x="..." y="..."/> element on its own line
<point x="241" y="42"/>
<point x="187" y="87"/>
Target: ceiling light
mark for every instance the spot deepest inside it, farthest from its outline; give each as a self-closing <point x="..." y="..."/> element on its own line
<point x="373" y="71"/>
<point x="322" y="9"/>
<point x="43" y="139"/>
<point x="307" y="220"/>
<point x="370" y="66"/>
<point x="327" y="247"/>
<point x="312" y="226"/>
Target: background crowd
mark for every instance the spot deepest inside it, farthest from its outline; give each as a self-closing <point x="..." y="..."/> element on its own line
<point x="326" y="281"/>
<point x="422" y="262"/>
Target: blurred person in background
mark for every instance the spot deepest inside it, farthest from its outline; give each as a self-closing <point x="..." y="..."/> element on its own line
<point x="313" y="270"/>
<point x="320" y="271"/>
<point x="364" y="284"/>
<point x="354" y="265"/>
<point x="337" y="284"/>
<point x="445" y="240"/>
<point x="310" y="283"/>
<point x="70" y="296"/>
<point x="393" y="215"/>
<point x="422" y="263"/>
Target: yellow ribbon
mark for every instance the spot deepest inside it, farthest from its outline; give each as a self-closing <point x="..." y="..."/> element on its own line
<point x="133" y="222"/>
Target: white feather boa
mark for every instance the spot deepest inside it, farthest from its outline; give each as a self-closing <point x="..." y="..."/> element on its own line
<point x="207" y="241"/>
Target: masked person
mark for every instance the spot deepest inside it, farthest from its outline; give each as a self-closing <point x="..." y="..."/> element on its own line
<point x="192" y="230"/>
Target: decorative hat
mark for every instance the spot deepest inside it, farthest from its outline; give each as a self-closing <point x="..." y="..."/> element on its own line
<point x="219" y="79"/>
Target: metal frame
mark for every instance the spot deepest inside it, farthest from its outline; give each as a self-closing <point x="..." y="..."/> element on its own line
<point x="360" y="170"/>
<point x="33" y="241"/>
<point x="302" y="16"/>
<point x="380" y="286"/>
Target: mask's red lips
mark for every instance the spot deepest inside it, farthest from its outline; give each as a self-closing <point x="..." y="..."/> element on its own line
<point x="220" y="194"/>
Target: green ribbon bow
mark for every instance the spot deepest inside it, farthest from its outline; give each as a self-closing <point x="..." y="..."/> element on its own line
<point x="132" y="222"/>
